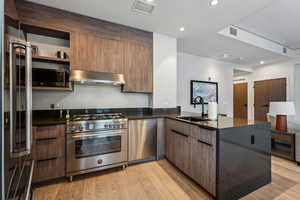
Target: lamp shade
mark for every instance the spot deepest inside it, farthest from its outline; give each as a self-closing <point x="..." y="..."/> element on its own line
<point x="282" y="108"/>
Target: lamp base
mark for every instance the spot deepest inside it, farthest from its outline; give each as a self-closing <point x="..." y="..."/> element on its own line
<point x="281" y="123"/>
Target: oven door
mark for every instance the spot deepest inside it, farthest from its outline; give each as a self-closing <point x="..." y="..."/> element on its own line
<point x="86" y="151"/>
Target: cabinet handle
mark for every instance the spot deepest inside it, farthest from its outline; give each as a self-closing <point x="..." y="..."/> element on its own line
<point x="45" y="139"/>
<point x="252" y="139"/>
<point x="48" y="159"/>
<point x="179" y="133"/>
<point x="202" y="142"/>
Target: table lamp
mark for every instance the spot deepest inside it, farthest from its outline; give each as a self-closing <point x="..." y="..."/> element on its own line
<point x="281" y="109"/>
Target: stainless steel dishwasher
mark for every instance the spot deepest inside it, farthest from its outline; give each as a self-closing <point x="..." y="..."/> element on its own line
<point x="142" y="140"/>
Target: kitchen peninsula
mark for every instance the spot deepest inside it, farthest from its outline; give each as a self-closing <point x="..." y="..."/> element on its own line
<point x="229" y="158"/>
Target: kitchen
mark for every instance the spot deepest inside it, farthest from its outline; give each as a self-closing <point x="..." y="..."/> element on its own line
<point x="86" y="98"/>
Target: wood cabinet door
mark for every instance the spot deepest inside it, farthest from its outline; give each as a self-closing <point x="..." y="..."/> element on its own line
<point x="79" y="51"/>
<point x="109" y="56"/>
<point x="92" y="52"/>
<point x="138" y="67"/>
<point x="181" y="148"/>
<point x="10" y="9"/>
<point x="48" y="149"/>
<point x="169" y="144"/>
<point x="203" y="165"/>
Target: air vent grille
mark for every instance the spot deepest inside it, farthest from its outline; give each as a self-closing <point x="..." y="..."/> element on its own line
<point x="233" y="31"/>
<point x="143" y="7"/>
<point x="284" y="50"/>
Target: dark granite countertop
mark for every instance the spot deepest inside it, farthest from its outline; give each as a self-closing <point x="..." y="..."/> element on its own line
<point x="150" y="116"/>
<point x="55" y="121"/>
<point x="221" y="123"/>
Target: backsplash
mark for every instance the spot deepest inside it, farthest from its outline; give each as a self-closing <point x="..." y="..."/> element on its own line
<point x="85" y="97"/>
<point x="60" y="114"/>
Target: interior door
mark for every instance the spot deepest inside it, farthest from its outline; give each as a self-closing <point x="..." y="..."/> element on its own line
<point x="240" y="100"/>
<point x="266" y="91"/>
<point x="277" y="89"/>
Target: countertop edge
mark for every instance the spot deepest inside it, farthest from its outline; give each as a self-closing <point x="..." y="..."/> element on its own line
<point x="49" y="122"/>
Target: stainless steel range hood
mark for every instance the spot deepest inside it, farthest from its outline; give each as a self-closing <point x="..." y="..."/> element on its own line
<point x="95" y="78"/>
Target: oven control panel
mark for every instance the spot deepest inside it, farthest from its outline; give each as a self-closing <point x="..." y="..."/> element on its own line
<point x="85" y="126"/>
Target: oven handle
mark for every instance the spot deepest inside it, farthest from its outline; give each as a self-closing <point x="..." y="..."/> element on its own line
<point x="98" y="135"/>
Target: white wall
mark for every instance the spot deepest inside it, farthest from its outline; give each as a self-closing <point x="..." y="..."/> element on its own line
<point x="85" y="96"/>
<point x="164" y="71"/>
<point x="199" y="68"/>
<point x="274" y="71"/>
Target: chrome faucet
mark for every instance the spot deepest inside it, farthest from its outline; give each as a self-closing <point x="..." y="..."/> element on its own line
<point x="200" y="100"/>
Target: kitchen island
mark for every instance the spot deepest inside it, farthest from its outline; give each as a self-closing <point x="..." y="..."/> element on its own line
<point x="229" y="158"/>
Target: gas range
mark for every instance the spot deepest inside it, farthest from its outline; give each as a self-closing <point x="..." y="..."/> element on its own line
<point x="96" y="122"/>
<point x="96" y="142"/>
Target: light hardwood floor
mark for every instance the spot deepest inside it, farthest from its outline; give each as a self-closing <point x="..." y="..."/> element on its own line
<point x="160" y="180"/>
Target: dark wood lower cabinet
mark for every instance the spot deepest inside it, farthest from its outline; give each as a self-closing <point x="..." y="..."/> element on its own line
<point x="193" y="151"/>
<point x="48" y="169"/>
<point x="48" y="151"/>
<point x="181" y="148"/>
<point x="283" y="144"/>
<point x="203" y="165"/>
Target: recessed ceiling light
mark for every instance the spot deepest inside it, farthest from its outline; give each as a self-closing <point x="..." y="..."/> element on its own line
<point x="214" y="2"/>
<point x="150" y="1"/>
<point x="262" y="62"/>
<point x="181" y="29"/>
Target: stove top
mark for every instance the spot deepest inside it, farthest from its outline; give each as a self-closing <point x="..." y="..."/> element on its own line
<point x="88" y="117"/>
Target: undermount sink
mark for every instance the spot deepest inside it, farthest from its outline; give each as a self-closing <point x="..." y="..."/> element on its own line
<point x="194" y="119"/>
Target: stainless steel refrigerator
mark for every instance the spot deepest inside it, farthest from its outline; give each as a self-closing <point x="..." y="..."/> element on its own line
<point x="16" y="119"/>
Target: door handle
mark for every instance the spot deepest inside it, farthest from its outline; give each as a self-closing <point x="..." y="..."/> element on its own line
<point x="252" y="139"/>
<point x="13" y="46"/>
<point x="202" y="142"/>
<point x="47" y="159"/>
<point x="179" y="133"/>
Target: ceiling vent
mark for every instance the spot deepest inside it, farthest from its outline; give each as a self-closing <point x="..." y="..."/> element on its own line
<point x="233" y="31"/>
<point x="284" y="50"/>
<point x="143" y="6"/>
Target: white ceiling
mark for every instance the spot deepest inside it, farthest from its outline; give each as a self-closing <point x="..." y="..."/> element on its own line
<point x="279" y="22"/>
<point x="201" y="21"/>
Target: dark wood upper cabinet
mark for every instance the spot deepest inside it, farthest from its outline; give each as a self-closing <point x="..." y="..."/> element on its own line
<point x="92" y="52"/>
<point x="98" y="45"/>
<point x="138" y="67"/>
<point x="10" y="9"/>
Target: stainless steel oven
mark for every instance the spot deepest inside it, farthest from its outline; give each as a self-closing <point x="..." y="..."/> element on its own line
<point x="103" y="146"/>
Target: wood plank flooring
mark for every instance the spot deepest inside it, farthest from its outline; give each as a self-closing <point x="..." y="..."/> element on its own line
<point x="159" y="180"/>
